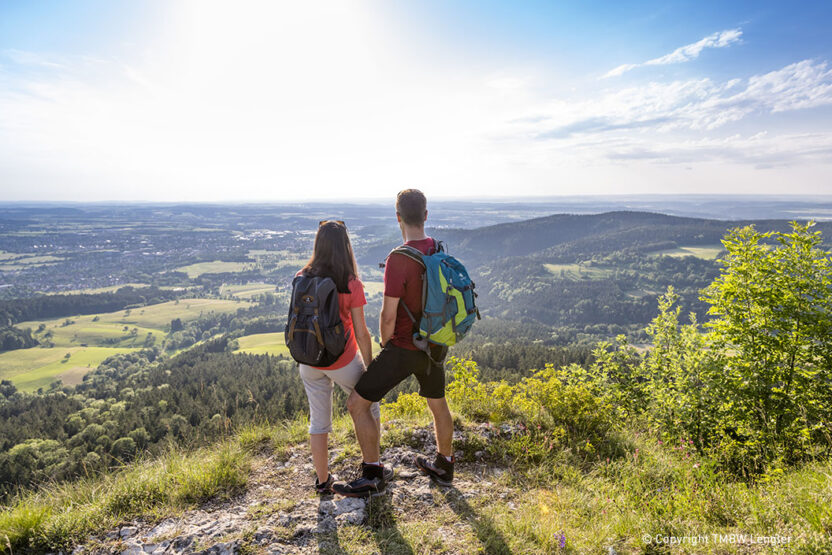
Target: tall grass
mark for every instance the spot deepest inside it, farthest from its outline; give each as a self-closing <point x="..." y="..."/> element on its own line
<point x="58" y="515"/>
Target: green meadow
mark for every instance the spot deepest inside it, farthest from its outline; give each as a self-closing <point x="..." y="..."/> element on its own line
<point x="91" y="338"/>
<point x="154" y="319"/>
<point x="30" y="369"/>
<point x="215" y="267"/>
<point x="10" y="262"/>
<point x="270" y="344"/>
<point x="248" y="290"/>
<point x="263" y="344"/>
<point x="577" y="271"/>
<point x="708" y="252"/>
<point x="108" y="289"/>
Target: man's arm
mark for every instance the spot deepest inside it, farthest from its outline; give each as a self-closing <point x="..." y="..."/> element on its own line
<point x="387" y="319"/>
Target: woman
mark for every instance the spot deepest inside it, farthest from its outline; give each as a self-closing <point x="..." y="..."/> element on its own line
<point x="333" y="257"/>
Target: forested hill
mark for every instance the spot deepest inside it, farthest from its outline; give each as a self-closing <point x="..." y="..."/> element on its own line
<point x="605" y="232"/>
<point x="590" y="275"/>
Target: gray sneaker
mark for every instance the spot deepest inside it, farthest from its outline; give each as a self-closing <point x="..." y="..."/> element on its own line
<point x="371" y="481"/>
<point x="440" y="470"/>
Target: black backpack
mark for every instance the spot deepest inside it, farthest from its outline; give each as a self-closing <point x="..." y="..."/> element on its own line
<point x="315" y="333"/>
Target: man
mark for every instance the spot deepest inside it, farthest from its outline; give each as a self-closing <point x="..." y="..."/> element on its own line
<point x="399" y="359"/>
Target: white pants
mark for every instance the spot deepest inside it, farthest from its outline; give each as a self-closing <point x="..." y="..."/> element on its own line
<point x="318" y="385"/>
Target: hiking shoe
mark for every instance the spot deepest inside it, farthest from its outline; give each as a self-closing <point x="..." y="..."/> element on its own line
<point x="326" y="487"/>
<point x="440" y="470"/>
<point x="371" y="481"/>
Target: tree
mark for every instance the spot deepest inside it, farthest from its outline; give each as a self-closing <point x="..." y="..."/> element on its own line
<point x="772" y="307"/>
<point x="123" y="448"/>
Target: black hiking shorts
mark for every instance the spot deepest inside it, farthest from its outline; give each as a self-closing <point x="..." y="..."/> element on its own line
<point x="392" y="366"/>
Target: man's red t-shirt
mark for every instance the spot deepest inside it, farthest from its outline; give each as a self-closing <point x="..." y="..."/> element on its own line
<point x="403" y="279"/>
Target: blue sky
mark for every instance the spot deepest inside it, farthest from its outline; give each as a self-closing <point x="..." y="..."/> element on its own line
<point x="249" y="100"/>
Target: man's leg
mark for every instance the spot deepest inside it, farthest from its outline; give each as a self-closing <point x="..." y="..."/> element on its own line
<point x="432" y="388"/>
<point x="443" y="425"/>
<point x="383" y="374"/>
<point x="366" y="427"/>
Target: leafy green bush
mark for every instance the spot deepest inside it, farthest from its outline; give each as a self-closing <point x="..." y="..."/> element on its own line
<point x="552" y="410"/>
<point x="406" y="405"/>
<point x="755" y="391"/>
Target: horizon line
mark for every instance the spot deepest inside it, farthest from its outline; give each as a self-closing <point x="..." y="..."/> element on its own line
<point x="478" y="199"/>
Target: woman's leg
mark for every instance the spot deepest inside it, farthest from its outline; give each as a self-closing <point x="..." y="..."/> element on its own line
<point x="318" y="388"/>
<point x="318" y="444"/>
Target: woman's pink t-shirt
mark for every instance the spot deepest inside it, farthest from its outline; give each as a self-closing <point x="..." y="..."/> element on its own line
<point x="346" y="302"/>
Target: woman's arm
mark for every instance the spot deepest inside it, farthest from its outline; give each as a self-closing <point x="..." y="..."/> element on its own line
<point x="362" y="334"/>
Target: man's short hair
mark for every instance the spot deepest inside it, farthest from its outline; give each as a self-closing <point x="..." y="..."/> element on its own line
<point x="411" y="205"/>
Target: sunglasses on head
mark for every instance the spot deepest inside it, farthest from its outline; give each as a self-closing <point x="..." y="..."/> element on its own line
<point x="339" y="222"/>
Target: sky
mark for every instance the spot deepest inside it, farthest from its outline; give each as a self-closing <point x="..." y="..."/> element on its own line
<point x="174" y="100"/>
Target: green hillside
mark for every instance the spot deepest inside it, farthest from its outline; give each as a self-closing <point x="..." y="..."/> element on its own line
<point x="91" y="338"/>
<point x="30" y="369"/>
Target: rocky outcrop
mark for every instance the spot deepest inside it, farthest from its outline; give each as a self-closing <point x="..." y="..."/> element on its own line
<point x="279" y="512"/>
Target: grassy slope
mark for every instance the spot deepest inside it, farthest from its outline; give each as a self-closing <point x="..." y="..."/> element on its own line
<point x="578" y="271"/>
<point x="263" y="343"/>
<point x="215" y="267"/>
<point x="270" y="343"/>
<point x="248" y="290"/>
<point x="705" y="253"/>
<point x="32" y="368"/>
<point x="496" y="507"/>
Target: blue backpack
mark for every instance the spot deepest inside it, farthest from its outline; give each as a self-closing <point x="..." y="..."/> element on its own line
<point x="449" y="308"/>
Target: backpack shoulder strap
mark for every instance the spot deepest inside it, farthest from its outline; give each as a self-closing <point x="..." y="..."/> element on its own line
<point x="411" y="252"/>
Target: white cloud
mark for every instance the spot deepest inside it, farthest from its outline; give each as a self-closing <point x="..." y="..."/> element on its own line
<point x="694" y="105"/>
<point x="684" y="53"/>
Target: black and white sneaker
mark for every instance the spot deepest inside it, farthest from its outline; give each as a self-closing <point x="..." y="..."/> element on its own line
<point x="440" y="470"/>
<point x="373" y="480"/>
<point x="326" y="487"/>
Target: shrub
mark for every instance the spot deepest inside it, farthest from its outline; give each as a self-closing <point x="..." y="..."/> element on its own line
<point x="406" y="405"/>
<point x="755" y="390"/>
<point x="553" y="410"/>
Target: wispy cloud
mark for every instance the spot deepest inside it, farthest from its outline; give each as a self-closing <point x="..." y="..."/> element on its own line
<point x="684" y="53"/>
<point x="675" y="122"/>
<point x="694" y="105"/>
<point x="762" y="150"/>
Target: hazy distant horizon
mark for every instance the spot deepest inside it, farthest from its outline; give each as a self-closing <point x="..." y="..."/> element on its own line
<point x="718" y="207"/>
<point x="820" y="198"/>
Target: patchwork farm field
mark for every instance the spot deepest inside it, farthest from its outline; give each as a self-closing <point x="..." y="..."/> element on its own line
<point x="263" y="344"/>
<point x="577" y="271"/>
<point x="154" y="318"/>
<point x="108" y="289"/>
<point x="709" y="252"/>
<point x="10" y="262"/>
<point x="248" y="290"/>
<point x="215" y="267"/>
<point x="30" y="369"/>
<point x="270" y="344"/>
<point x="89" y="339"/>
